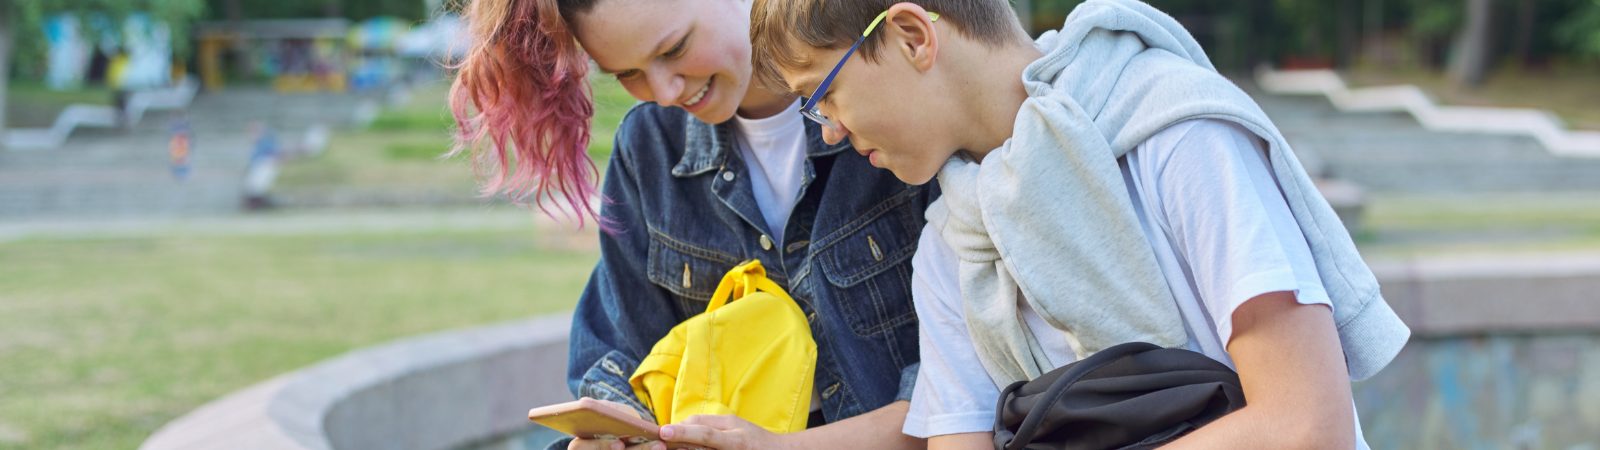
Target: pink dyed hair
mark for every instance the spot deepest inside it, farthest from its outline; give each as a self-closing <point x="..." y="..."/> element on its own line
<point x="525" y="77"/>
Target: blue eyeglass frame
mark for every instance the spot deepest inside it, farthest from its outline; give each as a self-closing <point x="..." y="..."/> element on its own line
<point x="809" y="109"/>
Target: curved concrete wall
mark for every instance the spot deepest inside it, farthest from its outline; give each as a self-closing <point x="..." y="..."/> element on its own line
<point x="437" y="391"/>
<point x="451" y="389"/>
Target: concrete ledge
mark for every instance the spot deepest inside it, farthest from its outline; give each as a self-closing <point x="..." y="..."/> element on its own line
<point x="236" y="421"/>
<point x="451" y="389"/>
<point x="76" y="116"/>
<point x="1541" y="125"/>
<point x="1494" y="293"/>
<point x="437" y="391"/>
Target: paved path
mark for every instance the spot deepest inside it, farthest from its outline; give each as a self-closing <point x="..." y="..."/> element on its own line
<point x="277" y="223"/>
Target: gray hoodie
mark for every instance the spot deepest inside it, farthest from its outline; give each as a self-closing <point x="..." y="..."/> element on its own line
<point x="1047" y="217"/>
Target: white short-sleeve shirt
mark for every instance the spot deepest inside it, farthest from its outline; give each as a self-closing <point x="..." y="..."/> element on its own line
<point x="1222" y="234"/>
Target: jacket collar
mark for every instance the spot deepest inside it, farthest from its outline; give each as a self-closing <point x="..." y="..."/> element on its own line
<point x="707" y="146"/>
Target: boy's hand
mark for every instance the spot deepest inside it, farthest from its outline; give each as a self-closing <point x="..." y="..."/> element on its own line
<point x="722" y="433"/>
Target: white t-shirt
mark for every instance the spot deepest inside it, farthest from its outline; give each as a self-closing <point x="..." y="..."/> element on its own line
<point x="1222" y="234"/>
<point x="776" y="171"/>
<point x="774" y="148"/>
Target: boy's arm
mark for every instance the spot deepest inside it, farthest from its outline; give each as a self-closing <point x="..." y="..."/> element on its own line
<point x="1292" y="370"/>
<point x="1255" y="274"/>
<point x="1293" y="374"/>
<point x="963" y="441"/>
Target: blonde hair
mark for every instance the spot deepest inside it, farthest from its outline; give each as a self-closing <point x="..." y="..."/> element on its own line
<point x="777" y="26"/>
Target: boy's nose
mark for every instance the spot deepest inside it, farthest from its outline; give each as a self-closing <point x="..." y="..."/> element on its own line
<point x="835" y="134"/>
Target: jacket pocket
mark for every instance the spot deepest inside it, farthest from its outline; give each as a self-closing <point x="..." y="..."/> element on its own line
<point x="689" y="271"/>
<point x="868" y="263"/>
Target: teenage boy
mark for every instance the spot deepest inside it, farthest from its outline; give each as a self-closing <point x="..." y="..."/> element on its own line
<point x="1102" y="184"/>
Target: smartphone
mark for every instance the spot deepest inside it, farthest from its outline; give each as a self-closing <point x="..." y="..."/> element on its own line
<point x="590" y="419"/>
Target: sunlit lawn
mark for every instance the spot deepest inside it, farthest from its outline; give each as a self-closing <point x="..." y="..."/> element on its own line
<point x="104" y="340"/>
<point x="1400" y="225"/>
<point x="31" y="104"/>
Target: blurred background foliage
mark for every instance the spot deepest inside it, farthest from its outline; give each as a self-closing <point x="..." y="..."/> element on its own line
<point x="1409" y="33"/>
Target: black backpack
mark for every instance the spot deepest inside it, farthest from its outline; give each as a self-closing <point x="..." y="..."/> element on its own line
<point x="1130" y="396"/>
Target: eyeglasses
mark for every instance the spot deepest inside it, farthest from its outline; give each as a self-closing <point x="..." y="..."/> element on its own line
<point x="810" y="108"/>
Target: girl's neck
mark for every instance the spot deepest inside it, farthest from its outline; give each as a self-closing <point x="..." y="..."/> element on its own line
<point x="760" y="103"/>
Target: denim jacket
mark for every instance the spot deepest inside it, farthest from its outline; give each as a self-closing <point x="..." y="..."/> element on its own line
<point x="682" y="210"/>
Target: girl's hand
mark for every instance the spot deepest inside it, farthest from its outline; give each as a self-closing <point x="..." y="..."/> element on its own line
<point x="722" y="433"/>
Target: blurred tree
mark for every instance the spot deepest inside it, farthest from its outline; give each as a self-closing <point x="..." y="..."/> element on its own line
<point x="1470" y="58"/>
<point x="1580" y="31"/>
<point x="1431" y="34"/>
<point x="292" y="9"/>
<point x="1232" y="31"/>
<point x="1522" y="40"/>
<point x="1024" y="13"/>
<point x="6" y="13"/>
<point x="26" y="18"/>
<point x="1432" y="24"/>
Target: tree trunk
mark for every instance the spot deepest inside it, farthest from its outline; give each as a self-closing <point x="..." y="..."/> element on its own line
<point x="233" y="10"/>
<point x="1469" y="66"/>
<point x="1256" y="27"/>
<point x="5" y="64"/>
<point x="1522" y="45"/>
<point x="1348" y="32"/>
<point x="1372" y="33"/>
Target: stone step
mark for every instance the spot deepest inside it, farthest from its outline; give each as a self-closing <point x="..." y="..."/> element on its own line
<point x="1391" y="152"/>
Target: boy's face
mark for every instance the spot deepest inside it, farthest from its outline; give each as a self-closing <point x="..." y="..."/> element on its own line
<point x="889" y="110"/>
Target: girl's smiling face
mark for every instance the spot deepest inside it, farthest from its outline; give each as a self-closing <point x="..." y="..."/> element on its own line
<point x="691" y="54"/>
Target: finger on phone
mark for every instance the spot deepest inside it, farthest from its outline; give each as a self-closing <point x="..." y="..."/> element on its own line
<point x="612" y="444"/>
<point x="594" y="444"/>
<point x="698" y="435"/>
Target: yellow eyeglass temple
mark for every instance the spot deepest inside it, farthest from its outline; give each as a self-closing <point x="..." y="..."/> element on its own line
<point x="931" y="15"/>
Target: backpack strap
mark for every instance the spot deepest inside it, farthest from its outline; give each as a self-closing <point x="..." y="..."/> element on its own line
<point x="747" y="278"/>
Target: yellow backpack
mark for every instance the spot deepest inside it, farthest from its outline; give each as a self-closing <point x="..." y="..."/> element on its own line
<point x="752" y="357"/>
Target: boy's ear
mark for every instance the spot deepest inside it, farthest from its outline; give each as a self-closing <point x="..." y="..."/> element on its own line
<point x="911" y="35"/>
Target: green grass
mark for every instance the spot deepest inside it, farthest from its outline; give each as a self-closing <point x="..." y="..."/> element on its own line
<point x="104" y="340"/>
<point x="1432" y="224"/>
<point x="395" y="160"/>
<point x="1483" y="212"/>
<point x="611" y="103"/>
<point x="36" y="92"/>
<point x="31" y="104"/>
